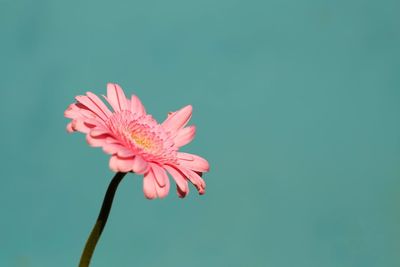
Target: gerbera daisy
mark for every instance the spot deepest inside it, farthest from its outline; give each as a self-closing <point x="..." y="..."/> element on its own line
<point x="137" y="143"/>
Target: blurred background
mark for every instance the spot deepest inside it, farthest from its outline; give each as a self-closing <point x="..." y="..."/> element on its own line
<point x="297" y="109"/>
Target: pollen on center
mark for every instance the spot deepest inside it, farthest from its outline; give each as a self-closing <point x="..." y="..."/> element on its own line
<point x="142" y="141"/>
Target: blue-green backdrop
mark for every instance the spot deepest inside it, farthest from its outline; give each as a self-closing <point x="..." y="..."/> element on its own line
<point x="297" y="109"/>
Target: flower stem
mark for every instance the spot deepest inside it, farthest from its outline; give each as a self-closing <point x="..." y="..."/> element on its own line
<point x="101" y="220"/>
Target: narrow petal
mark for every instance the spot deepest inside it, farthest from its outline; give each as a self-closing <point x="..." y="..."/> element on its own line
<point x="197" y="164"/>
<point x="78" y="110"/>
<point x="137" y="106"/>
<point x="85" y="112"/>
<point x="178" y="119"/>
<point x="94" y="123"/>
<point x="181" y="193"/>
<point x="84" y="100"/>
<point x="116" y="97"/>
<point x="184" y="156"/>
<point x="163" y="191"/>
<point x="149" y="185"/>
<point x="160" y="175"/>
<point x="195" y="179"/>
<point x="184" y="136"/>
<point x="180" y="179"/>
<point x="140" y="166"/>
<point x="99" y="103"/>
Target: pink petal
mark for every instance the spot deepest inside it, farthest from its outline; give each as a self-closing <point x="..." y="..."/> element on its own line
<point x="178" y="119"/>
<point x="185" y="136"/>
<point x="78" y="110"/>
<point x="69" y="127"/>
<point x="112" y="148"/>
<point x="94" y="123"/>
<point x="149" y="185"/>
<point x="84" y="112"/>
<point x="125" y="153"/>
<point x="79" y="125"/>
<point x="86" y="101"/>
<point x="99" y="103"/>
<point x="137" y="106"/>
<point x="125" y="164"/>
<point x="195" y="179"/>
<point x="111" y="140"/>
<point x="113" y="164"/>
<point x="160" y="174"/>
<point x="197" y="164"/>
<point x="120" y="164"/>
<point x="116" y="97"/>
<point x="118" y="149"/>
<point x="72" y="112"/>
<point x="94" y="141"/>
<point x="180" y="180"/>
<point x="181" y="193"/>
<point x="99" y="131"/>
<point x="185" y="156"/>
<point x="140" y="166"/>
<point x="162" y="191"/>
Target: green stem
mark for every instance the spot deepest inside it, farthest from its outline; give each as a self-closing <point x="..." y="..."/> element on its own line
<point x="101" y="220"/>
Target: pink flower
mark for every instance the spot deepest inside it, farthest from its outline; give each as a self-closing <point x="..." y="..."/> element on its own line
<point x="137" y="143"/>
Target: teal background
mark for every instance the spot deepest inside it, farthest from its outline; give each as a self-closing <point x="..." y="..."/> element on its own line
<point x="297" y="109"/>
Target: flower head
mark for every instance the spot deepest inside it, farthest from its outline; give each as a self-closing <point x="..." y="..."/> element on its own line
<point x="138" y="143"/>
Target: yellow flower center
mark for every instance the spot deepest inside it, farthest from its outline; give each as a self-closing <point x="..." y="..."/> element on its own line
<point x="142" y="141"/>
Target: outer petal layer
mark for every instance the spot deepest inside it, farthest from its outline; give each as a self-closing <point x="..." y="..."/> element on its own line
<point x="180" y="179"/>
<point x="116" y="97"/>
<point x="137" y="106"/>
<point x="162" y="181"/>
<point x="178" y="119"/>
<point x="184" y="136"/>
<point x="193" y="162"/>
<point x="149" y="185"/>
<point x="140" y="166"/>
<point x="118" y="164"/>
